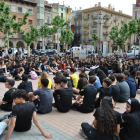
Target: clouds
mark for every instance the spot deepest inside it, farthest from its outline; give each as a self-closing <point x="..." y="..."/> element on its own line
<point x="124" y="5"/>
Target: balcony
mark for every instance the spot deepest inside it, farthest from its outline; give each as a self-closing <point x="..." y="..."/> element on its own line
<point x="115" y="18"/>
<point x="85" y="32"/>
<point x="105" y="32"/>
<point x="47" y="21"/>
<point x="93" y="32"/>
<point x="136" y="42"/>
<point x="107" y="24"/>
<point x="94" y="16"/>
<point x="68" y="27"/>
<point x="124" y="20"/>
<point x="107" y="16"/>
<point x="94" y="24"/>
<point x="78" y="18"/>
<point x="86" y="25"/>
<point x="48" y="10"/>
<point x="28" y="2"/>
<point x="105" y="39"/>
<point x="68" y="20"/>
<point x="85" y="40"/>
<point x="85" y="17"/>
<point x="77" y="26"/>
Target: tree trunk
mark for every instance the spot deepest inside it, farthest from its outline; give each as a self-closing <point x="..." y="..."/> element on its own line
<point x="43" y="47"/>
<point x="57" y="41"/>
<point x="7" y="43"/>
<point x="29" y="51"/>
<point x="120" y="51"/>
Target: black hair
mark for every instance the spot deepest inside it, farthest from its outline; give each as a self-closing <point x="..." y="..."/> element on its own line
<point x="66" y="74"/>
<point x="19" y="65"/>
<point x="120" y="77"/>
<point x="63" y="80"/>
<point x="57" y="80"/>
<point x="92" y="79"/>
<point x="45" y="82"/>
<point x="82" y="70"/>
<point x="112" y="78"/>
<point x="72" y="70"/>
<point x="91" y="73"/>
<point x="81" y="75"/>
<point x="11" y="82"/>
<point x="107" y="81"/>
<point x="58" y="74"/>
<point x="24" y="77"/>
<point x="20" y="93"/>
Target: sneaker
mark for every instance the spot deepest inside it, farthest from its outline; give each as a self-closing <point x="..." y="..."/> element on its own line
<point x="81" y="132"/>
<point x="4" y="117"/>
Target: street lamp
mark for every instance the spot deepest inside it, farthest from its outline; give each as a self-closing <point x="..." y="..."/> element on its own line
<point x="100" y="22"/>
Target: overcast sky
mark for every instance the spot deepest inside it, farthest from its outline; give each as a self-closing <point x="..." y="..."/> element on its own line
<point x="124" y="5"/>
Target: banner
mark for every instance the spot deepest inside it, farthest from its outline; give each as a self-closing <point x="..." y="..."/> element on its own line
<point x="79" y="54"/>
<point x="105" y="48"/>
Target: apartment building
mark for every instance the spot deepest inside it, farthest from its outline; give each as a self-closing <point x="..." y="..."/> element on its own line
<point x="19" y="8"/>
<point x="135" y="15"/>
<point x="90" y="20"/>
<point x="77" y="28"/>
<point x="68" y="16"/>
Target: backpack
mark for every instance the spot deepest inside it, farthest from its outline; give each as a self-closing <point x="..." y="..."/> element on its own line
<point x="33" y="75"/>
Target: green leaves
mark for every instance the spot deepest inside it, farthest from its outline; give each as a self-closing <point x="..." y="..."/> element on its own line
<point x="94" y="39"/>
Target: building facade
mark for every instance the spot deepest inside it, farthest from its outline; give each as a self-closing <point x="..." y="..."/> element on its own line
<point x="135" y="15"/>
<point x="90" y="20"/>
<point x="20" y="8"/>
<point x="68" y="16"/>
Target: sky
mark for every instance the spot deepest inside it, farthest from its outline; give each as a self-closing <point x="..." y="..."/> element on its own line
<point x="124" y="5"/>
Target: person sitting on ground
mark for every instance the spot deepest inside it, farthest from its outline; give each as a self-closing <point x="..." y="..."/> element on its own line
<point x="45" y="75"/>
<point x="6" y="103"/>
<point x="53" y="66"/>
<point x="106" y="123"/>
<point x="63" y="95"/>
<point x="22" y="114"/>
<point x="132" y="84"/>
<point x="66" y="74"/>
<point x="18" y="72"/>
<point x="74" y="77"/>
<point x="45" y="95"/>
<point x="89" y="92"/>
<point x="124" y="88"/>
<point x="82" y="70"/>
<point x="26" y="85"/>
<point x="97" y="84"/>
<point x="130" y="128"/>
<point x="114" y="88"/>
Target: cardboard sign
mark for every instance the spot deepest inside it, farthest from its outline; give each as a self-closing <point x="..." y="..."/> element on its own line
<point x="79" y="54"/>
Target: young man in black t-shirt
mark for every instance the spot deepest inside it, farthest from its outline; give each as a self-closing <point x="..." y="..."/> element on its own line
<point x="21" y="120"/>
<point x="6" y="103"/>
<point x="89" y="92"/>
<point x="63" y="96"/>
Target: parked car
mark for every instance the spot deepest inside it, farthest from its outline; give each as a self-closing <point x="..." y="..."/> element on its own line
<point x="132" y="53"/>
<point x="55" y="51"/>
<point x="50" y="52"/>
<point x="14" y="50"/>
<point x="35" y="51"/>
<point x="42" y="51"/>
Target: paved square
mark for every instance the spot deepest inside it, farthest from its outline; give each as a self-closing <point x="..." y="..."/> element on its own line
<point x="63" y="126"/>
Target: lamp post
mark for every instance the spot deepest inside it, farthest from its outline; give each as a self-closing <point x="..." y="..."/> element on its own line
<point x="100" y="22"/>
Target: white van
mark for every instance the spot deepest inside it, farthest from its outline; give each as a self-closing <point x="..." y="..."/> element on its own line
<point x="74" y="48"/>
<point x="132" y="53"/>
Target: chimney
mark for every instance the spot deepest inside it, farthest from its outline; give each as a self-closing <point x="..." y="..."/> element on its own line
<point x="99" y="4"/>
<point x="120" y="11"/>
<point x="95" y="5"/>
<point x="113" y="9"/>
<point x="109" y="6"/>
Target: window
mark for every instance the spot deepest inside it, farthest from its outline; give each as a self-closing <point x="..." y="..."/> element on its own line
<point x="30" y="12"/>
<point x="19" y="9"/>
<point x="88" y="15"/>
<point x="61" y="15"/>
<point x="67" y="11"/>
<point x="30" y="22"/>
<point x="61" y="9"/>
<point x="40" y="22"/>
<point x="40" y="10"/>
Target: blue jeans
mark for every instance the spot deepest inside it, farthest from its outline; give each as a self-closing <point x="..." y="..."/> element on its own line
<point x="10" y="56"/>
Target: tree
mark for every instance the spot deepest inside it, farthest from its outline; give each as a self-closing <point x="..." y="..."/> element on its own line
<point x="8" y="25"/>
<point x="119" y="36"/>
<point x="134" y="28"/>
<point x="45" y="31"/>
<point x="66" y="36"/>
<point x="94" y="39"/>
<point x="29" y="36"/>
<point x="58" y="22"/>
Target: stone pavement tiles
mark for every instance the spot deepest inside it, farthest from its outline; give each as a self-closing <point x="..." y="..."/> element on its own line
<point x="35" y="134"/>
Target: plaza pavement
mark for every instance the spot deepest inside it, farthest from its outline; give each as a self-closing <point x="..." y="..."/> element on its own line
<point x="63" y="126"/>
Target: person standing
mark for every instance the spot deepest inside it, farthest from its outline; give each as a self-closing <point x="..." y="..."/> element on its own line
<point x="20" y="52"/>
<point x="10" y="53"/>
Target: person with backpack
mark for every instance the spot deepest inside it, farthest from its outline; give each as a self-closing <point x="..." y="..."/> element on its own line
<point x="26" y="85"/>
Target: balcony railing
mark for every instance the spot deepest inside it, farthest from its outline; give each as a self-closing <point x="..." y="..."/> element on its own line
<point x="85" y="32"/>
<point x="93" y="32"/>
<point x="105" y="32"/>
<point x="85" y="17"/>
<point x="107" y="16"/>
<point x="107" y="24"/>
<point x="85" y="25"/>
<point x="115" y="18"/>
<point x="136" y="43"/>
<point x="85" y="40"/>
<point x="94" y="24"/>
<point x="78" y="18"/>
<point x="105" y="39"/>
<point x="68" y="27"/>
<point x="48" y="10"/>
<point x="124" y="20"/>
<point x="47" y="21"/>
